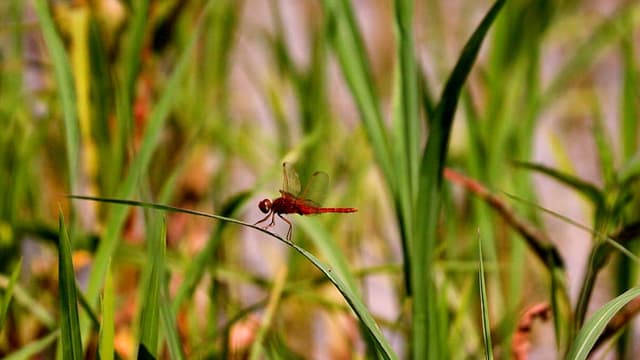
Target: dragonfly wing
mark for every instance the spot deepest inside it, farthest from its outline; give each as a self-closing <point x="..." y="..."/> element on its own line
<point x="316" y="190"/>
<point x="290" y="180"/>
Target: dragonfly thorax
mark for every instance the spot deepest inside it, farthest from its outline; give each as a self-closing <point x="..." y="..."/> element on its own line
<point x="265" y="206"/>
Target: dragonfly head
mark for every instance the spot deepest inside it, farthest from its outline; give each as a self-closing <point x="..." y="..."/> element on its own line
<point x="265" y="205"/>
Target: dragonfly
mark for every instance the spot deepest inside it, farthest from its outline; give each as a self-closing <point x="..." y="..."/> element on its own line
<point x="294" y="201"/>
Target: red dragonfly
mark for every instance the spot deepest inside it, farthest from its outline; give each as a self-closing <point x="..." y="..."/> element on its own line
<point x="294" y="201"/>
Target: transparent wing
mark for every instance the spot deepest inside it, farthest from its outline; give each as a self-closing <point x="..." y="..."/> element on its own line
<point x="316" y="190"/>
<point x="290" y="180"/>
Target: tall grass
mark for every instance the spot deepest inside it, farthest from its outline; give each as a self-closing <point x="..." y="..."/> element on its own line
<point x="184" y="111"/>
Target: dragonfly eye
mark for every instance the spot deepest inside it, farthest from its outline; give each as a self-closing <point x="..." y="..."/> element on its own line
<point x="265" y="205"/>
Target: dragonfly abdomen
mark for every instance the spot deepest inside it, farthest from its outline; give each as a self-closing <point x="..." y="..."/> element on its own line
<point x="336" y="210"/>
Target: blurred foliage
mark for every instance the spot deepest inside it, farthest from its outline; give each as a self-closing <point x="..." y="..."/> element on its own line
<point x="196" y="104"/>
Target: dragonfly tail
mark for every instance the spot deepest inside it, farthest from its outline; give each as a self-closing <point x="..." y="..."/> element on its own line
<point x="337" y="210"/>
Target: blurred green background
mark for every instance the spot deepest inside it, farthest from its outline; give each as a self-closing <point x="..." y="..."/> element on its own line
<point x="196" y="104"/>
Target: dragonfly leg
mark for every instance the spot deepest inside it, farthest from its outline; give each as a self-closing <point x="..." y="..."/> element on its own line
<point x="265" y="219"/>
<point x="290" y="226"/>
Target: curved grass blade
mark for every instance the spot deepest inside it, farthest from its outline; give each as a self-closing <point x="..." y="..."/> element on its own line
<point x="69" y="321"/>
<point x="328" y="248"/>
<point x="198" y="265"/>
<point x="427" y="338"/>
<point x="587" y="189"/>
<point x="34" y="348"/>
<point x="352" y="299"/>
<point x="484" y="306"/>
<point x="27" y="301"/>
<point x="592" y="329"/>
<point x="8" y="294"/>
<point x="334" y="257"/>
<point x="609" y="239"/>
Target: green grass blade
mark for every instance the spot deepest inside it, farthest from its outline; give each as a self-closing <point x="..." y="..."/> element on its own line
<point x="609" y="239"/>
<point x="592" y="329"/>
<point x="354" y="302"/>
<point x="69" y="321"/>
<point x="274" y="299"/>
<point x="101" y="88"/>
<point x="628" y="232"/>
<point x="165" y="208"/>
<point x="351" y="53"/>
<point x="84" y="305"/>
<point x="323" y="241"/>
<point x="32" y="349"/>
<point x="614" y="27"/>
<point x="167" y="320"/>
<point x="140" y="165"/>
<point x="27" y="301"/>
<point x="589" y="190"/>
<point x="630" y="103"/>
<point x="124" y="95"/>
<point x="196" y="267"/>
<point x="149" y="318"/>
<point x="630" y="170"/>
<point x="8" y="294"/>
<point x="335" y="258"/>
<point x="107" y="327"/>
<point x="406" y="127"/>
<point x="427" y="340"/>
<point x="426" y="98"/>
<point x="64" y="80"/>
<point x="406" y="120"/>
<point x="133" y="49"/>
<point x="352" y="299"/>
<point x="484" y="306"/>
<point x="603" y="145"/>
